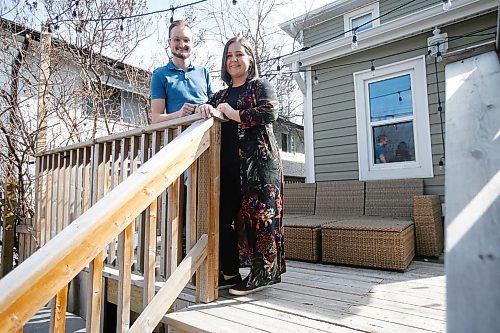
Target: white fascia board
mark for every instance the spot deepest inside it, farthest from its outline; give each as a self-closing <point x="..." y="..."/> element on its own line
<point x="398" y="29"/>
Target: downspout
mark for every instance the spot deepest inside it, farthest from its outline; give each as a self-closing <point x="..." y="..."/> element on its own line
<point x="308" y="129"/>
<point x="305" y="86"/>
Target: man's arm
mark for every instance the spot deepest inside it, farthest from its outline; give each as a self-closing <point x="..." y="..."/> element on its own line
<point x="158" y="111"/>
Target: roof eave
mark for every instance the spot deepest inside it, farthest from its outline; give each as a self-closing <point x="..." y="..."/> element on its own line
<point x="398" y="29"/>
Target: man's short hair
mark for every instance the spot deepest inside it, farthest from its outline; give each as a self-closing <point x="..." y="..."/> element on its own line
<point x="381" y="137"/>
<point x="178" y="23"/>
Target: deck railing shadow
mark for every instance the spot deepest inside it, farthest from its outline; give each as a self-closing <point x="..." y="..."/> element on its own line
<point x="107" y="202"/>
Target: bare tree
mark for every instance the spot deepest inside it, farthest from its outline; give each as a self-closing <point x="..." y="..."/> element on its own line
<point x="79" y="78"/>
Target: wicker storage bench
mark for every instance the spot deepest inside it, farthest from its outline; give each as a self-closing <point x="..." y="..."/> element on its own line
<point x="331" y="200"/>
<point x="369" y="241"/>
<point x="428" y="225"/>
<point x="303" y="237"/>
<point x="299" y="199"/>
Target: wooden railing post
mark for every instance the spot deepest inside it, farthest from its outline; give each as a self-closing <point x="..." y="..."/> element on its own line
<point x="125" y="258"/>
<point x="209" y="181"/>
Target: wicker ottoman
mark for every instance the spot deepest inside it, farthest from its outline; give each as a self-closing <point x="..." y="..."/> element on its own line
<point x="369" y="241"/>
<point x="303" y="237"/>
<point x="428" y="225"/>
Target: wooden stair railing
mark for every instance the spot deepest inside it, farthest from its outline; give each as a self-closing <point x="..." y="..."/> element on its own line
<point x="46" y="273"/>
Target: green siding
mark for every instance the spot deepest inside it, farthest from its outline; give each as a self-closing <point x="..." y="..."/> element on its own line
<point x="386" y="6"/>
<point x="323" y="31"/>
<point x="334" y="114"/>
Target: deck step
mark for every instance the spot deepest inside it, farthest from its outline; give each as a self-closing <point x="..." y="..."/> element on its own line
<point x="40" y="323"/>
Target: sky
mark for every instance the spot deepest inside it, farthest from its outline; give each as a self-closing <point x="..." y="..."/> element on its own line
<point x="151" y="53"/>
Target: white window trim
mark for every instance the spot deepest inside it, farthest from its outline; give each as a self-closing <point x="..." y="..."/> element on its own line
<point x="422" y="166"/>
<point x="348" y="17"/>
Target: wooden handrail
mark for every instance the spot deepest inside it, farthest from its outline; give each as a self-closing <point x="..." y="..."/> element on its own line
<point x="47" y="271"/>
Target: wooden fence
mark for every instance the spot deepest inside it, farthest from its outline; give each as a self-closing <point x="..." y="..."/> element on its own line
<point x="117" y="201"/>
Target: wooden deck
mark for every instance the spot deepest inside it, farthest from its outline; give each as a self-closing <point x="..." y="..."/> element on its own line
<point x="327" y="298"/>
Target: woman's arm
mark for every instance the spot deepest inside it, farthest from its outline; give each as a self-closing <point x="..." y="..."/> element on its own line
<point x="266" y="109"/>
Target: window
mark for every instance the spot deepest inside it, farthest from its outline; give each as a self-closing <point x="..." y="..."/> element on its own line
<point x="118" y="104"/>
<point x="287" y="143"/>
<point x="393" y="121"/>
<point x="359" y="17"/>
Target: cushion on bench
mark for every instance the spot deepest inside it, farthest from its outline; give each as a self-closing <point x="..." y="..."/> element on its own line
<point x="340" y="198"/>
<point x="367" y="241"/>
<point x="299" y="199"/>
<point x="392" y="198"/>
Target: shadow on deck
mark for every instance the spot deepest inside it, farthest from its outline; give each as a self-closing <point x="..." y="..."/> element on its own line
<point x="325" y="298"/>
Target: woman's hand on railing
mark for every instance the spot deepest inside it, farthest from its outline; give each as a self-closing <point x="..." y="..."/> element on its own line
<point x="204" y="110"/>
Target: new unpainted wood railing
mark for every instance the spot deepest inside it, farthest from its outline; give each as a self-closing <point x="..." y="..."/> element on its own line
<point x="106" y="203"/>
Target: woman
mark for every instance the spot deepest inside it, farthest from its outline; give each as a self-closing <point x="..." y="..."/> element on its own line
<point x="252" y="197"/>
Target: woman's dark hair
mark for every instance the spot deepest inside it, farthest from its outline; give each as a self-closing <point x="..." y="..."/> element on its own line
<point x="252" y="70"/>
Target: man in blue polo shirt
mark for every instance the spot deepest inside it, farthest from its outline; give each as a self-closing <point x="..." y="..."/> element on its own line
<point x="179" y="86"/>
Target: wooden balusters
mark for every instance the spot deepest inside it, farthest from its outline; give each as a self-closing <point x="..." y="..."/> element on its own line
<point x="58" y="311"/>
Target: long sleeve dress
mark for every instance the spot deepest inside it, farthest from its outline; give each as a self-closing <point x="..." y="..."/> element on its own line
<point x="258" y="223"/>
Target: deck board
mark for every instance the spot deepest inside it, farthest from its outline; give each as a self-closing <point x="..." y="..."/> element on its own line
<point x="328" y="298"/>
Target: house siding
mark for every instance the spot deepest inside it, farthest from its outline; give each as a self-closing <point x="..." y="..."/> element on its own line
<point x="387" y="5"/>
<point x="333" y="102"/>
<point x="325" y="30"/>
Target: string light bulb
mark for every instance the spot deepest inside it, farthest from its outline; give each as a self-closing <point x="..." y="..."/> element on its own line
<point x="439" y="56"/>
<point x="121" y="24"/>
<point x="446" y="4"/>
<point x="354" y="44"/>
<point x="74" y="10"/>
<point x="441" y="163"/>
<point x="235" y="2"/>
<point x="315" y="80"/>
<point x="372" y="68"/>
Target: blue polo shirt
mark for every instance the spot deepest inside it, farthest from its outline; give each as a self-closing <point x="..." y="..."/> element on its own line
<point x="177" y="86"/>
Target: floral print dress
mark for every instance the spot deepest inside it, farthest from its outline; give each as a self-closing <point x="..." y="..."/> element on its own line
<point x="259" y="222"/>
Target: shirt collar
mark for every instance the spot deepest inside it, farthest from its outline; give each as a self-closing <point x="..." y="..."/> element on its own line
<point x="171" y="65"/>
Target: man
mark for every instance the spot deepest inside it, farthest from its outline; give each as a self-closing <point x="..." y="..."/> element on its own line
<point x="179" y="86"/>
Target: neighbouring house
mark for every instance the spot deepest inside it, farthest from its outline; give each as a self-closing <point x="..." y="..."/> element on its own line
<point x="290" y="137"/>
<point x="372" y="76"/>
<point x="87" y="95"/>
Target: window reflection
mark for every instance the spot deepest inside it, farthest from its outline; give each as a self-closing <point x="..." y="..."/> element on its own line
<point x="390" y="98"/>
<point x="393" y="143"/>
<point x="360" y="20"/>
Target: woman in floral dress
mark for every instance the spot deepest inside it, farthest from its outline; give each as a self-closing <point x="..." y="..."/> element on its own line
<point x="251" y="105"/>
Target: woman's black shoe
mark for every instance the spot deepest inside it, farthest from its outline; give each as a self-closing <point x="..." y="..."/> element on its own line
<point x="244" y="288"/>
<point x="225" y="284"/>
